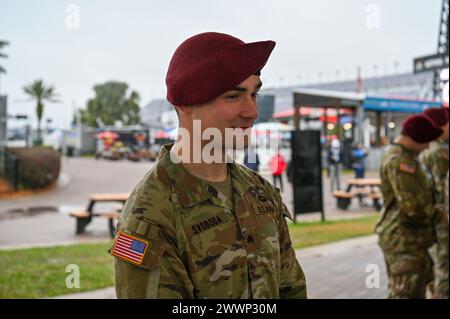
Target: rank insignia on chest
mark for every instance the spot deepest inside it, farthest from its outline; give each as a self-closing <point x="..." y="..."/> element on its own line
<point x="408" y="168"/>
<point x="262" y="199"/>
<point x="253" y="191"/>
<point x="130" y="248"/>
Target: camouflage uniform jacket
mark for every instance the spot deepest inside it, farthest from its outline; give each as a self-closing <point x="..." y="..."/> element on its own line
<point x="436" y="160"/>
<point x="197" y="246"/>
<point x="408" y="214"/>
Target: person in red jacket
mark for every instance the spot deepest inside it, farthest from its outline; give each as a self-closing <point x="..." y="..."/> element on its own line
<point x="277" y="166"/>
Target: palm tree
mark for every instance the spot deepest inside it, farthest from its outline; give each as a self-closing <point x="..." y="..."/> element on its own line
<point x="40" y="92"/>
<point x="2" y="55"/>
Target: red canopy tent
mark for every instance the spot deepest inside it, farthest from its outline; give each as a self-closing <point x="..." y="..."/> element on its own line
<point x="107" y="135"/>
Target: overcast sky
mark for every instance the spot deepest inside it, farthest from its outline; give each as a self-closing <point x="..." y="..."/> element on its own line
<point x="132" y="41"/>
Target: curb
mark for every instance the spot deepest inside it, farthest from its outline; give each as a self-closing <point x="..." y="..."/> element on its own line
<point x="104" y="293"/>
<point x="57" y="244"/>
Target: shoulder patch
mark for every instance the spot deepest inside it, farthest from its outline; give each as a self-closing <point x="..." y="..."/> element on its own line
<point x="130" y="248"/>
<point x="445" y="154"/>
<point x="408" y="167"/>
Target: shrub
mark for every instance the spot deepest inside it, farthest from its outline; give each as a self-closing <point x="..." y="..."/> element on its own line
<point x="37" y="166"/>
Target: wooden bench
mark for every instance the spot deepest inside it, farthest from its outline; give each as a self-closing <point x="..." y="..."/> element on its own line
<point x="84" y="217"/>
<point x="109" y="197"/>
<point x="80" y="214"/>
<point x="343" y="199"/>
<point x="376" y="200"/>
<point x="376" y="195"/>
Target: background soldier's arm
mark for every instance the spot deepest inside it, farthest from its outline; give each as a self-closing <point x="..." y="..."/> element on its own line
<point x="408" y="189"/>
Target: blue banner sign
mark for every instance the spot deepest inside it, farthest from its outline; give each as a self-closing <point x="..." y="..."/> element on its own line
<point x="398" y="105"/>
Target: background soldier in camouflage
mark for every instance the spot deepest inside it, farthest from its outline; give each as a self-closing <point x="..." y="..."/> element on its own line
<point x="435" y="160"/>
<point x="435" y="157"/>
<point x="406" y="228"/>
<point x="208" y="230"/>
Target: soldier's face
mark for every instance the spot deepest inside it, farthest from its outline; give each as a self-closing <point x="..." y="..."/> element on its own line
<point x="233" y="110"/>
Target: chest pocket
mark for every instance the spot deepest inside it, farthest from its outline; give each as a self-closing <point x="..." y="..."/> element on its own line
<point x="209" y="231"/>
<point x="264" y="214"/>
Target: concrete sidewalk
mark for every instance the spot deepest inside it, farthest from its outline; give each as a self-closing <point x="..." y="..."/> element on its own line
<point x="339" y="270"/>
<point x="333" y="271"/>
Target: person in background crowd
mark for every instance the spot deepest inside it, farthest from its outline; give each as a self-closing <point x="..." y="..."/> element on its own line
<point x="334" y="155"/>
<point x="359" y="155"/>
<point x="277" y="166"/>
<point x="251" y="159"/>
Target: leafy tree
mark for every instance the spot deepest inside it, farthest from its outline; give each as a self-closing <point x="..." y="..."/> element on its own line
<point x="112" y="103"/>
<point x="2" y="55"/>
<point x="41" y="92"/>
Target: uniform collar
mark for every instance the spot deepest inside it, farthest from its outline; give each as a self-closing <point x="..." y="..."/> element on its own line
<point x="194" y="190"/>
<point x="441" y="143"/>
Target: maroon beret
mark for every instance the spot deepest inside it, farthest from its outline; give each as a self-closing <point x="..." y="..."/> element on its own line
<point x="439" y="116"/>
<point x="209" y="64"/>
<point x="421" y="129"/>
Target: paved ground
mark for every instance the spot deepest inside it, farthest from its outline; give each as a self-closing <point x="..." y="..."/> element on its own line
<point x="83" y="176"/>
<point x="333" y="271"/>
<point x="340" y="270"/>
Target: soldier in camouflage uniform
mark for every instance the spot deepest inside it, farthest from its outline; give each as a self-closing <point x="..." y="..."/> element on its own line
<point x="406" y="228"/>
<point x="208" y="230"/>
<point x="435" y="160"/>
<point x="446" y="192"/>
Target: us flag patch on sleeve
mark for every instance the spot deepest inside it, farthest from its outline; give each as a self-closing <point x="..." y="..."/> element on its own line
<point x="130" y="248"/>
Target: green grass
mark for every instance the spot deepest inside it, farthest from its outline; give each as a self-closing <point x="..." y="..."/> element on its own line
<point x="344" y="171"/>
<point x="308" y="234"/>
<point x="41" y="272"/>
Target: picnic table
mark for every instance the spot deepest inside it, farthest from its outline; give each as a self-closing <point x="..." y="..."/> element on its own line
<point x="360" y="188"/>
<point x="84" y="217"/>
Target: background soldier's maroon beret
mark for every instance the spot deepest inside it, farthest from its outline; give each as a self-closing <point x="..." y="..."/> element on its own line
<point x="208" y="64"/>
<point x="421" y="129"/>
<point x="439" y="116"/>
